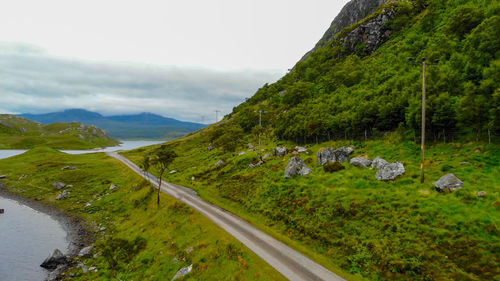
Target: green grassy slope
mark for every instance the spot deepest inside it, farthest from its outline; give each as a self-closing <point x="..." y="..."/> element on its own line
<point x="143" y="239"/>
<point x="351" y="222"/>
<point x="20" y="133"/>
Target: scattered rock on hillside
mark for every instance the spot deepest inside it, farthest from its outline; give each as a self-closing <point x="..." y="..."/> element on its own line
<point x="3" y="176"/>
<point x="250" y="146"/>
<point x="62" y="195"/>
<point x="84" y="268"/>
<point x="189" y="250"/>
<point x="210" y="147"/>
<point x="330" y="155"/>
<point x="378" y="163"/>
<point x="360" y="162"/>
<point x="113" y="187"/>
<point x="55" y="259"/>
<point x="267" y="155"/>
<point x="481" y="193"/>
<point x="58" y="185"/>
<point x="251" y="166"/>
<point x="87" y="251"/>
<point x="390" y="171"/>
<point x="296" y="167"/>
<point x="280" y="151"/>
<point x="301" y="149"/>
<point x="68" y="168"/>
<point x="183" y="271"/>
<point x="241" y="153"/>
<point x="173" y="172"/>
<point x="448" y="182"/>
<point x="219" y="163"/>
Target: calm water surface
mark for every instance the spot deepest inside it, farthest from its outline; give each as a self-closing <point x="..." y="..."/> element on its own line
<point x="124" y="145"/>
<point x="27" y="237"/>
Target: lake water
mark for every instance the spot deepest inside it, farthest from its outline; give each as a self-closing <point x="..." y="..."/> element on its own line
<point x="27" y="237"/>
<point x="124" y="145"/>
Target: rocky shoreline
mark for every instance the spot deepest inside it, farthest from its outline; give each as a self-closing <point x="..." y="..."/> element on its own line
<point x="78" y="235"/>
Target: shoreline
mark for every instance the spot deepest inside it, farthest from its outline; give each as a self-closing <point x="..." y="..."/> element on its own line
<point x="77" y="234"/>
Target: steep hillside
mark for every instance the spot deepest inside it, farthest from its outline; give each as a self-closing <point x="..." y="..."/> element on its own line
<point x="353" y="12"/>
<point x="361" y="82"/>
<point x="19" y="133"/>
<point x="359" y="89"/>
<point x="144" y="125"/>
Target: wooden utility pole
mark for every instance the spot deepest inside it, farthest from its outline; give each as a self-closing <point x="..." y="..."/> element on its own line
<point x="424" y="68"/>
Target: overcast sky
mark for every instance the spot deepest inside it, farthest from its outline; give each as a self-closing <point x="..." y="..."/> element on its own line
<point x="181" y="59"/>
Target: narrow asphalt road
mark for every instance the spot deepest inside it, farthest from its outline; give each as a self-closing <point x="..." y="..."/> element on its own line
<point x="290" y="263"/>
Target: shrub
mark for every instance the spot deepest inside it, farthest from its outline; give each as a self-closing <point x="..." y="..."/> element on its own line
<point x="331" y="167"/>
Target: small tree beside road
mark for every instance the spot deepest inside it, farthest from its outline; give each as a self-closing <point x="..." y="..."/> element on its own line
<point x="161" y="158"/>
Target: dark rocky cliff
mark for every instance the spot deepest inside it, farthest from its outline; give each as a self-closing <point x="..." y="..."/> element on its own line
<point x="353" y="12"/>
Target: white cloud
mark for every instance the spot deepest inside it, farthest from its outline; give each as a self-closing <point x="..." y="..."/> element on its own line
<point x="34" y="82"/>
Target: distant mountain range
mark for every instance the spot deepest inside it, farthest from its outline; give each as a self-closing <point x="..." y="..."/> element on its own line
<point x="143" y="125"/>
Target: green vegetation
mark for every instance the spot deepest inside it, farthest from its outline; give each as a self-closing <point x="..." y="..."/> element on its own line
<point x="351" y="95"/>
<point x="348" y="92"/>
<point x="349" y="221"/>
<point x="140" y="240"/>
<point x="20" y="133"/>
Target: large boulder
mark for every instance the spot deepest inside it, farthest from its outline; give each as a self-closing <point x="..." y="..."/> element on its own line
<point x="280" y="151"/>
<point x="52" y="261"/>
<point x="448" y="182"/>
<point x="378" y="163"/>
<point x="58" y="185"/>
<point x="330" y="155"/>
<point x="360" y="162"/>
<point x="296" y="167"/>
<point x="390" y="171"/>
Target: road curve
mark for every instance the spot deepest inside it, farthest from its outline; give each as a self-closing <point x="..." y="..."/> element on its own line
<point x="290" y="263"/>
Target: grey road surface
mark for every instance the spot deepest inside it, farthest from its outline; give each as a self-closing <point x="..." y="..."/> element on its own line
<point x="293" y="265"/>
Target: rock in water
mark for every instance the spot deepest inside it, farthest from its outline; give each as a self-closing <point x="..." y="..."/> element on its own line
<point x="183" y="271"/>
<point x="360" y="162"/>
<point x="52" y="261"/>
<point x="280" y="151"/>
<point x="378" y="163"/>
<point x="337" y="155"/>
<point x="58" y="185"/>
<point x="390" y="171"/>
<point x="296" y="167"/>
<point x="449" y="182"/>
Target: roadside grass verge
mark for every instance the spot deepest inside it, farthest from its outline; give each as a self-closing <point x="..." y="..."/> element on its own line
<point x="350" y="222"/>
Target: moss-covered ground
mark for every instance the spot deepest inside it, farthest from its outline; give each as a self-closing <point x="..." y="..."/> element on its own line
<point x="140" y="241"/>
<point x="349" y="221"/>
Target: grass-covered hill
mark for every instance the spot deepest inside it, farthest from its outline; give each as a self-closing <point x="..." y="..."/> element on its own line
<point x="20" y="133"/>
<point x="360" y="90"/>
<point x="361" y="81"/>
<point x="135" y="240"/>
